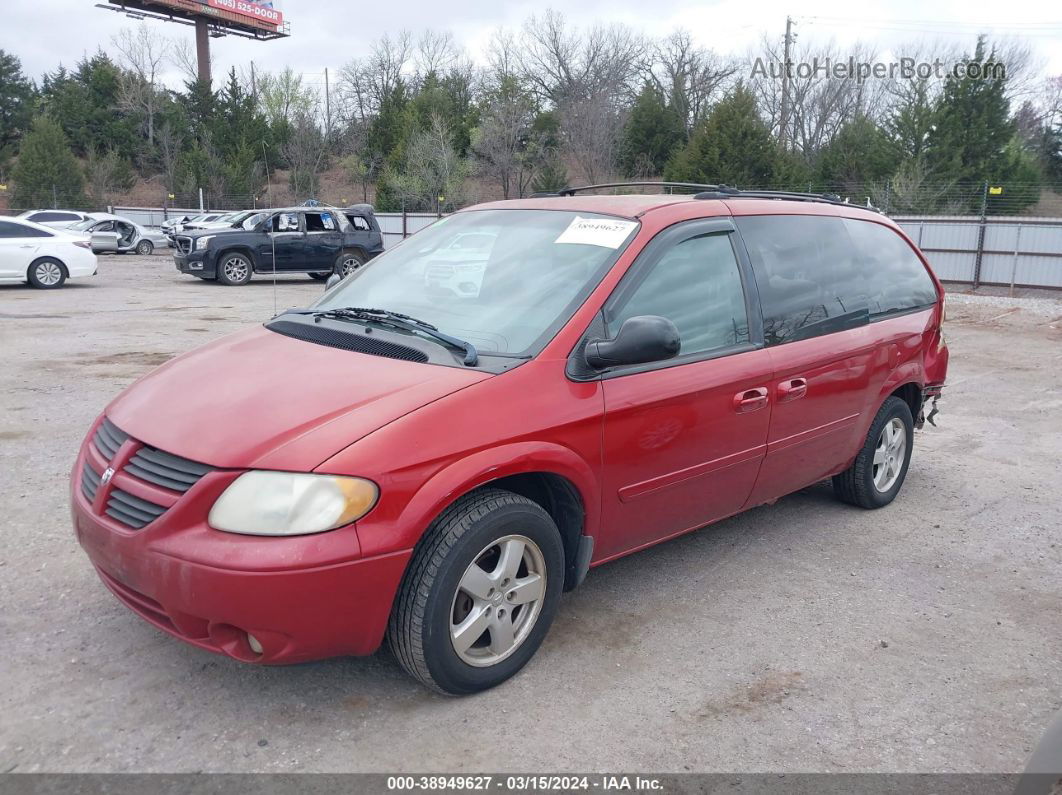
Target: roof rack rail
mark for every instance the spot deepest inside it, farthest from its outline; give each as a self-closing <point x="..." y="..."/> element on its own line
<point x="571" y="191"/>
<point x="716" y="192"/>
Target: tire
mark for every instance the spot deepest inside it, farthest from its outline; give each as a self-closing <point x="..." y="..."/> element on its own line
<point x="145" y="247"/>
<point x="46" y="273"/>
<point x="320" y="276"/>
<point x="432" y="603"/>
<point x="879" y="469"/>
<point x="348" y="262"/>
<point x="234" y="269"/>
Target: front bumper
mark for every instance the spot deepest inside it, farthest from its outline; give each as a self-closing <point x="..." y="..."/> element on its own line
<point x="302" y="598"/>
<point x="196" y="263"/>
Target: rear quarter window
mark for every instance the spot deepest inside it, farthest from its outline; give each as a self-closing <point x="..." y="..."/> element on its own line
<point x="896" y="278"/>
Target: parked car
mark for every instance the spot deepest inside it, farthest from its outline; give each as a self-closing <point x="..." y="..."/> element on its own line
<point x="435" y="468"/>
<point x="172" y="226"/>
<point x="314" y="240"/>
<point x="227" y="221"/>
<point x="56" y="219"/>
<point x="114" y="235"/>
<point x="42" y="256"/>
<point x="208" y="221"/>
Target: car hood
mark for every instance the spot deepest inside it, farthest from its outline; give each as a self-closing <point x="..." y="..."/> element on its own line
<point x="258" y="399"/>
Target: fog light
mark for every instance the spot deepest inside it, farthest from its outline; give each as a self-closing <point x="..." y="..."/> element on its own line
<point x="252" y="641"/>
<point x="195" y="266"/>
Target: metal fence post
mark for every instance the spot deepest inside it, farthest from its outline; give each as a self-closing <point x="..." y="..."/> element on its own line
<point x="405" y="232"/>
<point x="1014" y="265"/>
<point x="981" y="237"/>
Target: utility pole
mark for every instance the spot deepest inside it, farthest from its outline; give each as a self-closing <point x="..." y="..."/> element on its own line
<point x="328" y="107"/>
<point x="783" y="120"/>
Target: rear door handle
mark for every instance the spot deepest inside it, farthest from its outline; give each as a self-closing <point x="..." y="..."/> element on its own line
<point x="750" y="400"/>
<point x="793" y="389"/>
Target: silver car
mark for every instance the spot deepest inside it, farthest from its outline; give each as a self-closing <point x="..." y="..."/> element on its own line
<point x="114" y="235"/>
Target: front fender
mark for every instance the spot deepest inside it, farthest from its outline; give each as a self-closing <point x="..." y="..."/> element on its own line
<point x="395" y="527"/>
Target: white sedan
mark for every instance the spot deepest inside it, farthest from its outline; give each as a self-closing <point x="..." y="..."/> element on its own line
<point x="43" y="257"/>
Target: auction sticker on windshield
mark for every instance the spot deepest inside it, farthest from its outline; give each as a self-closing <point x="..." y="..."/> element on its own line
<point x="604" y="232"/>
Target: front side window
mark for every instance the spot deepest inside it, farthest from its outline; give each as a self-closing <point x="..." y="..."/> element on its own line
<point x="896" y="278"/>
<point x="285" y="222"/>
<point x="697" y="286"/>
<point x="806" y="274"/>
<point x="520" y="278"/>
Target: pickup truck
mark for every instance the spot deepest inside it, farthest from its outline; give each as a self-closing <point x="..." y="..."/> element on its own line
<point x="318" y="241"/>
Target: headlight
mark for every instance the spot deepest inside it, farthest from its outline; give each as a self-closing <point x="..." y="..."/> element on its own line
<point x="203" y="242"/>
<point x="291" y="503"/>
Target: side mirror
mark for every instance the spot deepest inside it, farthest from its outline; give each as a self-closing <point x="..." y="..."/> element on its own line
<point x="641" y="339"/>
<point x="333" y="280"/>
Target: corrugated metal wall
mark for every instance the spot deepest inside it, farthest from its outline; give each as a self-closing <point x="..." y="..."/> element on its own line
<point x="1019" y="251"/>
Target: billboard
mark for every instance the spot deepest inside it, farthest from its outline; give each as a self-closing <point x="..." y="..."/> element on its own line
<point x="263" y="12"/>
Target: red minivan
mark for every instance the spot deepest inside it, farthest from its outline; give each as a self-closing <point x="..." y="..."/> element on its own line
<point x="455" y="433"/>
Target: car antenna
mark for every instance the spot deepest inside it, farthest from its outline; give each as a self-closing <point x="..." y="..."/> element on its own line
<point x="272" y="237"/>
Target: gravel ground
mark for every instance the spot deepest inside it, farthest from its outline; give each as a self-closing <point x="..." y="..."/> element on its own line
<point x="805" y="636"/>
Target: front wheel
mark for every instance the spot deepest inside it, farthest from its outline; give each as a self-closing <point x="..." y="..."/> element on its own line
<point x="348" y="262"/>
<point x="47" y="274"/>
<point x="320" y="276"/>
<point x="879" y="469"/>
<point x="480" y="593"/>
<point x="234" y="269"/>
<point x="145" y="247"/>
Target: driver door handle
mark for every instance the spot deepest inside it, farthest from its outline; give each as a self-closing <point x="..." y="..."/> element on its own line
<point x="750" y="400"/>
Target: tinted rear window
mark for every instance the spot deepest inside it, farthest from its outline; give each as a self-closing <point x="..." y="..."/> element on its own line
<point x="896" y="278"/>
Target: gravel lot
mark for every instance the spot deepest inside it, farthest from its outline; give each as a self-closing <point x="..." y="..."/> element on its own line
<point x="806" y="636"/>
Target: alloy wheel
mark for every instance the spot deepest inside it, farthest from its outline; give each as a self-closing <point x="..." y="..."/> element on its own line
<point x="49" y="274"/>
<point x="889" y="454"/>
<point x="498" y="600"/>
<point x="235" y="269"/>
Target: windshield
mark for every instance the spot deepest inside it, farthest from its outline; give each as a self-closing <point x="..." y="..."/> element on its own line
<point x="251" y="221"/>
<point x="505" y="280"/>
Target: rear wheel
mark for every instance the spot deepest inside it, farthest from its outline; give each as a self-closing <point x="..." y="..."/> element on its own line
<point x="145" y="247"/>
<point x="47" y="274"/>
<point x="479" y="594"/>
<point x="348" y="262"/>
<point x="234" y="269"/>
<point x="878" y="472"/>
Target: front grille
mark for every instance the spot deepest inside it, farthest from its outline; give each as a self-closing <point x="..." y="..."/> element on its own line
<point x="132" y="511"/>
<point x="184" y="244"/>
<point x="163" y="469"/>
<point x="148" y="465"/>
<point x="90" y="482"/>
<point x="334" y="338"/>
<point x="109" y="438"/>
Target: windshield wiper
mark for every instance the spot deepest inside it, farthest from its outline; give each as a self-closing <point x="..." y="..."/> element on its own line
<point x="398" y="320"/>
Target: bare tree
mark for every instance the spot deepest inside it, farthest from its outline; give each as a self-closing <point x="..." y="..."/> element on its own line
<point x="506" y="147"/>
<point x="689" y="76"/>
<point x="304" y="150"/>
<point x="186" y="59"/>
<point x="144" y="54"/>
<point x="436" y="52"/>
<point x="503" y="62"/>
<point x="105" y="173"/>
<point x="169" y="151"/>
<point x="282" y="97"/>
<point x="435" y="174"/>
<point x="366" y="82"/>
<point x="588" y="78"/>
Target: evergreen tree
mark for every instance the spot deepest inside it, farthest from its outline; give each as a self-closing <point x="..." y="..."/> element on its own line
<point x="85" y="104"/>
<point x="860" y="153"/>
<point x="47" y="174"/>
<point x="652" y="134"/>
<point x="972" y="124"/>
<point x="16" y="105"/>
<point x="733" y="146"/>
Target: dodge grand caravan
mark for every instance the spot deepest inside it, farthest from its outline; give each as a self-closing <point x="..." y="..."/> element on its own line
<point x="456" y="432"/>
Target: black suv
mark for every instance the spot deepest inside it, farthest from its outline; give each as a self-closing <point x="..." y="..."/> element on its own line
<point x="319" y="241"/>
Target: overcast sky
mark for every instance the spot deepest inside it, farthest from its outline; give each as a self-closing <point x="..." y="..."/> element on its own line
<point x="328" y="33"/>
